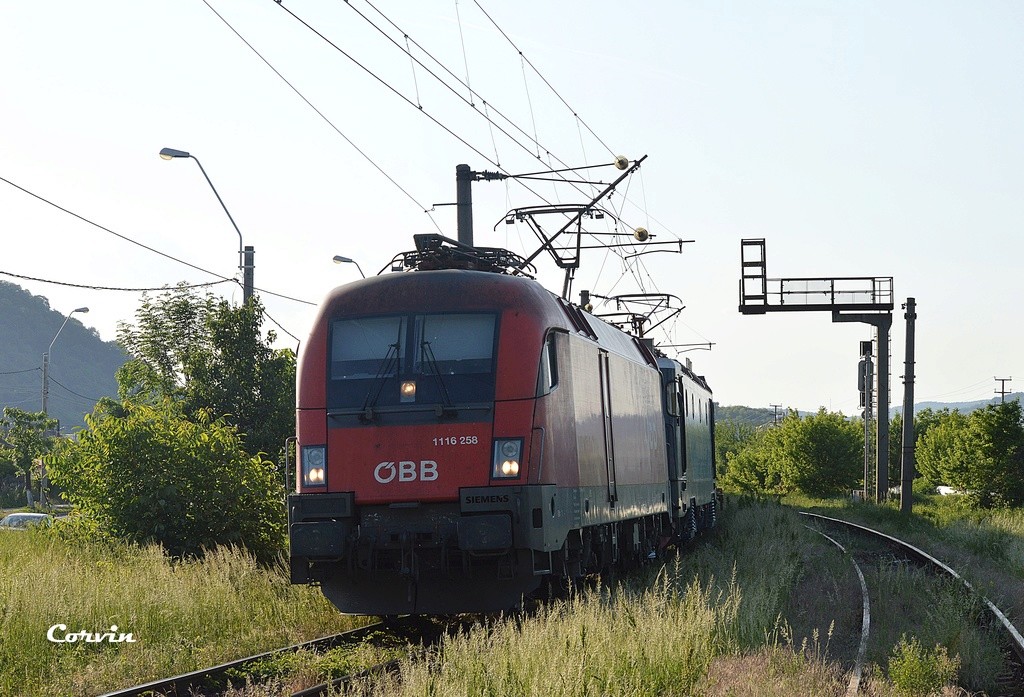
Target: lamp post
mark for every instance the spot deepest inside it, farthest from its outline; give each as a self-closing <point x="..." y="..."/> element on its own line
<point x="245" y="254"/>
<point x="338" y="259"/>
<point x="46" y="396"/>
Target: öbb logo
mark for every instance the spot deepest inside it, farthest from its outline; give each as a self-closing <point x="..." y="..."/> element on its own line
<point x="406" y="471"/>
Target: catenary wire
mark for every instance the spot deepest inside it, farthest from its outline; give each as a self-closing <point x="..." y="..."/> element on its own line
<point x="473" y="94"/>
<point x="17" y="372"/>
<point x="544" y="79"/>
<point x="406" y="99"/>
<point x="629" y="268"/>
<point x="382" y="81"/>
<point x="324" y="117"/>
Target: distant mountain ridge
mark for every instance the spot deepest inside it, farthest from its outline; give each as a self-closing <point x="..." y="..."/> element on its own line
<point x="962" y="407"/>
<point x="756" y="416"/>
<point x="82" y="365"/>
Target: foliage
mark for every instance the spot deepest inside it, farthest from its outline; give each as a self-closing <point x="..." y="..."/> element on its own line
<point x="819" y="454"/>
<point x="917" y="671"/>
<point x="147" y="473"/>
<point x="211" y="356"/>
<point x="749" y="416"/>
<point x="981" y="454"/>
<point x="24" y="440"/>
<point x="730" y="438"/>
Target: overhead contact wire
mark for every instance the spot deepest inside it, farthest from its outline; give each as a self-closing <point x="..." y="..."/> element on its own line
<point x="469" y="102"/>
<point x="544" y="79"/>
<point x="382" y="81"/>
<point x="324" y="117"/>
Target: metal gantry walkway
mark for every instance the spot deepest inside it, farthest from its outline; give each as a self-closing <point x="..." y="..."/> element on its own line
<point x="867" y="299"/>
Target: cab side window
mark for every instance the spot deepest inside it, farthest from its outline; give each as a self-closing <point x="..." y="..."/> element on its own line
<point x="547" y="377"/>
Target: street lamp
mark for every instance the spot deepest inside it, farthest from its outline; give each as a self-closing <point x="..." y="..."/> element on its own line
<point x="338" y="259"/>
<point x="46" y="397"/>
<point x="245" y="254"/>
<point x="46" y="357"/>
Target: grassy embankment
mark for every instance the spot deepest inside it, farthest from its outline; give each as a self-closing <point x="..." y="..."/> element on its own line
<point x="761" y="607"/>
<point x="183" y="616"/>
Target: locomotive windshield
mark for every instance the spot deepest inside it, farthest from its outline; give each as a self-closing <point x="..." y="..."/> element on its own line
<point x="399" y="360"/>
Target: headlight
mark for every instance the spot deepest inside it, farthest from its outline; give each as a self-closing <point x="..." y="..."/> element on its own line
<point x="507" y="455"/>
<point x="314" y="465"/>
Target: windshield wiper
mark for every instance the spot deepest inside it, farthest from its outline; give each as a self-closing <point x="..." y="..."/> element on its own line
<point x="428" y="357"/>
<point x="391" y="358"/>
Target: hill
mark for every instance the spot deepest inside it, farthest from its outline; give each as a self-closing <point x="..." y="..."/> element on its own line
<point x="745" y="415"/>
<point x="962" y="407"/>
<point x="82" y="365"/>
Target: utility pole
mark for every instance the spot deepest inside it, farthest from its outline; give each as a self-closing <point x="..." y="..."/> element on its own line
<point x="907" y="471"/>
<point x="1002" y="391"/>
<point x="776" y="408"/>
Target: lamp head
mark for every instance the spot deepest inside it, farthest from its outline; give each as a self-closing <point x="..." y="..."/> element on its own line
<point x="338" y="259"/>
<point x="80" y="309"/>
<point x="171" y="153"/>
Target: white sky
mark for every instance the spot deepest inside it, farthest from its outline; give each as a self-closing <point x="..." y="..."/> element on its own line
<point x="868" y="138"/>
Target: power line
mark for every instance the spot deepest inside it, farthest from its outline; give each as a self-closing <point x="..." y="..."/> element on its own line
<point x="68" y="389"/>
<point x="139" y="244"/>
<point x="130" y="290"/>
<point x="115" y="234"/>
<point x="16" y="372"/>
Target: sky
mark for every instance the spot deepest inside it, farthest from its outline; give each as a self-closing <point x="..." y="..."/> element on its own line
<point x="858" y="139"/>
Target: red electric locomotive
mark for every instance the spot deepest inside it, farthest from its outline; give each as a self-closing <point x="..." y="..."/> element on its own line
<point x="464" y="435"/>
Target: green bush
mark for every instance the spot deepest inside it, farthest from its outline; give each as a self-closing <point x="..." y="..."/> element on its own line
<point x="916" y="671"/>
<point x="146" y="473"/>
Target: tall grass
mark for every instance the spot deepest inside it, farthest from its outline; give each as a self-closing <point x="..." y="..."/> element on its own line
<point x="183" y="616"/>
<point x="692" y="626"/>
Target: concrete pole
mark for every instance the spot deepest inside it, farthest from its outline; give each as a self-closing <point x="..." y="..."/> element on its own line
<point x="907" y="479"/>
<point x="248" y="265"/>
<point x="464" y="203"/>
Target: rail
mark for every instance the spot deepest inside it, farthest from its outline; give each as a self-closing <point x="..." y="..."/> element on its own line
<point x="1016" y="641"/>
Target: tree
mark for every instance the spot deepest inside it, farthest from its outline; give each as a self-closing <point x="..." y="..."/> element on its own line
<point x="24" y="440"/>
<point x="946" y="448"/>
<point x="820" y="454"/>
<point x="731" y="437"/>
<point x="981" y="454"/>
<point x="149" y="473"/>
<point x="211" y="356"/>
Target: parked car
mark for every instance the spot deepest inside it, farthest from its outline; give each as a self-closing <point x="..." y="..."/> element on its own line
<point x="23" y="521"/>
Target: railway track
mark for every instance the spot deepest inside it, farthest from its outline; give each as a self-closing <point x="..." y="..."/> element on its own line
<point x="1012" y="683"/>
<point x="217" y="679"/>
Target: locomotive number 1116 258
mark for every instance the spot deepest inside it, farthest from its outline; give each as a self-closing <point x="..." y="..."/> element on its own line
<point x="456" y="440"/>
